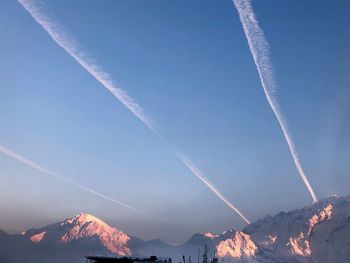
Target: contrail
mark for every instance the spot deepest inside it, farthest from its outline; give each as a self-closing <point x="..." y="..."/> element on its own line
<point x="205" y="180"/>
<point x="71" y="47"/>
<point x="63" y="179"/>
<point x="201" y="176"/>
<point x="259" y="48"/>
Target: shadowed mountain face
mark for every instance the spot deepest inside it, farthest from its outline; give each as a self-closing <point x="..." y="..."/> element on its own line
<point x="316" y="233"/>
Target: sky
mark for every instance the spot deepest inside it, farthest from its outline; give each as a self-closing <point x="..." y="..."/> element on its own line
<point x="188" y="64"/>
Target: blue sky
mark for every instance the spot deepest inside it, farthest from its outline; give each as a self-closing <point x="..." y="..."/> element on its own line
<point x="187" y="63"/>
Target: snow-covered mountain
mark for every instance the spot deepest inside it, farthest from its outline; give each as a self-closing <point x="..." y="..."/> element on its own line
<point x="239" y="247"/>
<point x="316" y="233"/>
<point x="68" y="241"/>
<point x="82" y="228"/>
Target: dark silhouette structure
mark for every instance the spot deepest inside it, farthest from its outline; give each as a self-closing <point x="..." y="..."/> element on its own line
<point x="206" y="259"/>
<point x="106" y="259"/>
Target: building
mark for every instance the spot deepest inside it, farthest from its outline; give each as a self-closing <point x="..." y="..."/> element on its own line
<point x="106" y="259"/>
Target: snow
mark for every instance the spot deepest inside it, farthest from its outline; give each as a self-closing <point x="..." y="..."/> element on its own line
<point x="210" y="235"/>
<point x="38" y="237"/>
<point x="240" y="245"/>
<point x="299" y="245"/>
<point x="325" y="214"/>
<point x="86" y="225"/>
<point x="319" y="232"/>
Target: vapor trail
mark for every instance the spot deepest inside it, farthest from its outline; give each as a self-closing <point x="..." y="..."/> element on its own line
<point x="63" y="179"/>
<point x="201" y="176"/>
<point x="205" y="180"/>
<point x="71" y="47"/>
<point x="259" y="48"/>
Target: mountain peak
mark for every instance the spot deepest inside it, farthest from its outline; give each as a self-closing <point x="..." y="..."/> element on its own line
<point x="85" y="225"/>
<point x="239" y="245"/>
<point x="83" y="218"/>
<point x="315" y="233"/>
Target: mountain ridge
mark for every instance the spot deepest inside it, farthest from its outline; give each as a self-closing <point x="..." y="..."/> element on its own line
<point x="314" y="233"/>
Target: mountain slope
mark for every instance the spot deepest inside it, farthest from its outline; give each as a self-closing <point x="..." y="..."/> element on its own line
<point x="316" y="233"/>
<point x="85" y="230"/>
<point x="319" y="232"/>
<point x="238" y="247"/>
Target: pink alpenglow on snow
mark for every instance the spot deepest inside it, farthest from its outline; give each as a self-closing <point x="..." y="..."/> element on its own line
<point x="85" y="225"/>
<point x="325" y="214"/>
<point x="239" y="246"/>
<point x="300" y="245"/>
<point x="210" y="235"/>
<point x="38" y="237"/>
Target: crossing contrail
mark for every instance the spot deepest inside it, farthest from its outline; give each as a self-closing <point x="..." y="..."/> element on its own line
<point x="36" y="166"/>
<point x="259" y="48"/>
<point x="71" y="46"/>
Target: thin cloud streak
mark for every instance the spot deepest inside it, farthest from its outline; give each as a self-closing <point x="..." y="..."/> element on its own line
<point x="71" y="47"/>
<point x="201" y="177"/>
<point x="206" y="181"/>
<point x="259" y="48"/>
<point x="38" y="167"/>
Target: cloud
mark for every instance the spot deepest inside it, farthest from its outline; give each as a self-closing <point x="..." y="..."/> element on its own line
<point x="45" y="171"/>
<point x="261" y="55"/>
<point x="68" y="43"/>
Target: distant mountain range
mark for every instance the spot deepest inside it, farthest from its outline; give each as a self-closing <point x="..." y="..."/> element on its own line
<point x="316" y="233"/>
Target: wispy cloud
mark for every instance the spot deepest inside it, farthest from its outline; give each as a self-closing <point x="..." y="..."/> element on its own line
<point x="45" y="171"/>
<point x="259" y="48"/>
<point x="68" y="43"/>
